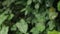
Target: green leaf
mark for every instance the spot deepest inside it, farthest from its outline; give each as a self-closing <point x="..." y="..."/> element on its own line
<point x="34" y="31"/>
<point x="29" y="2"/>
<point x="13" y="28"/>
<point x="40" y="26"/>
<point x="53" y="32"/>
<point x="59" y="32"/>
<point x="18" y="32"/>
<point x="4" y="30"/>
<point x="8" y="2"/>
<point x="51" y="25"/>
<point x="3" y="18"/>
<point x="19" y="2"/>
<point x="10" y="16"/>
<point x="58" y="6"/>
<point x="40" y="18"/>
<point x="52" y="15"/>
<point x="37" y="6"/>
<point x="22" y="26"/>
<point x="23" y="10"/>
<point x="34" y="0"/>
<point x="34" y="20"/>
<point x="26" y="12"/>
<point x="28" y="19"/>
<point x="39" y="1"/>
<point x="26" y="33"/>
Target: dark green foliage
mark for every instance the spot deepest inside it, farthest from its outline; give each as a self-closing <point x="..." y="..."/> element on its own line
<point x="29" y="17"/>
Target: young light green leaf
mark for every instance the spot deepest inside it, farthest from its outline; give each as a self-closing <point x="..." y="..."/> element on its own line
<point x="53" y="32"/>
<point x="22" y="26"/>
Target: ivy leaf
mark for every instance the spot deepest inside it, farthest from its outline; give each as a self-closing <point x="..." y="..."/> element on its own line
<point x="34" y="31"/>
<point x="3" y="17"/>
<point x="40" y="26"/>
<point x="40" y="18"/>
<point x="51" y="25"/>
<point x="58" y="6"/>
<point x="22" y="26"/>
<point x="4" y="30"/>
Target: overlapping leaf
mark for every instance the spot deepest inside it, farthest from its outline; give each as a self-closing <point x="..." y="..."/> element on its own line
<point x="22" y="26"/>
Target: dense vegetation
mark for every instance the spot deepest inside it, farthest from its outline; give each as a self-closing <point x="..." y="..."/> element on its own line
<point x="29" y="16"/>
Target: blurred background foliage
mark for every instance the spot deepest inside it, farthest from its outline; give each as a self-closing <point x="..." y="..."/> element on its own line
<point x="29" y="16"/>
